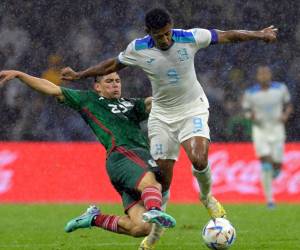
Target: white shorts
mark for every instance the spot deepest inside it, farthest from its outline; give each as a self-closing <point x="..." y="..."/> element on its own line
<point x="267" y="144"/>
<point x="165" y="138"/>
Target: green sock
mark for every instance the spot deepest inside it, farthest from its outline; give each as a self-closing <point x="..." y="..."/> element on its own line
<point x="204" y="181"/>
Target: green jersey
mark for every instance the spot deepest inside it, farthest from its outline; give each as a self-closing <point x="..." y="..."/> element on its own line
<point x="115" y="122"/>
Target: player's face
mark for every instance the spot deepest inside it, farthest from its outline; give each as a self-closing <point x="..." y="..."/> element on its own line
<point x="264" y="75"/>
<point x="110" y="86"/>
<point x="162" y="37"/>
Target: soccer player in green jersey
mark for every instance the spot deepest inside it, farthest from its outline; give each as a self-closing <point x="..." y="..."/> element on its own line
<point x="132" y="171"/>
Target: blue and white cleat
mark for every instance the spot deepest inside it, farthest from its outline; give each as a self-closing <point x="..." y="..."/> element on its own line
<point x="276" y="172"/>
<point x="159" y="217"/>
<point x="84" y="220"/>
<point x="271" y="205"/>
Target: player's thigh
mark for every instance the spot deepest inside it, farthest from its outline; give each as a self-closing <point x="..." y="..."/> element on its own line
<point x="196" y="149"/>
<point x="194" y="137"/>
<point x="261" y="144"/>
<point x="163" y="140"/>
<point x="194" y="126"/>
<point x="127" y="167"/>
<point x="277" y="151"/>
<point x="129" y="200"/>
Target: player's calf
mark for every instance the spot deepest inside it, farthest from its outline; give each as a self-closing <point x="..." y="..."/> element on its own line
<point x="152" y="198"/>
<point x="140" y="230"/>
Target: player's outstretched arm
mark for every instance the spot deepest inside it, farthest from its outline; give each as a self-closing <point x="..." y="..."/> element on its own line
<point x="268" y="34"/>
<point x="38" y="84"/>
<point x="104" y="68"/>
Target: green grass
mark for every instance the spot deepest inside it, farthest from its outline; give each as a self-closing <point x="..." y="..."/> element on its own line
<point x="41" y="227"/>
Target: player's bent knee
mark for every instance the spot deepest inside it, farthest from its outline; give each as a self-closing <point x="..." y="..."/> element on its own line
<point x="149" y="180"/>
<point x="199" y="162"/>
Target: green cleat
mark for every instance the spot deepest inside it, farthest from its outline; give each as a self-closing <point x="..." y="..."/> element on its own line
<point x="82" y="221"/>
<point x="160" y="218"/>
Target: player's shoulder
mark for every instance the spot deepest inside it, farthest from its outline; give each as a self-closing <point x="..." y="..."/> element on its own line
<point x="277" y="85"/>
<point x="253" y="89"/>
<point x="143" y="43"/>
<point x="89" y="93"/>
<point x="73" y="91"/>
<point x="184" y="36"/>
<point x="178" y="35"/>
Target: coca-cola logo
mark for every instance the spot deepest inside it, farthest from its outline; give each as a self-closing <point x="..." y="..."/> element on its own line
<point x="243" y="176"/>
<point x="6" y="158"/>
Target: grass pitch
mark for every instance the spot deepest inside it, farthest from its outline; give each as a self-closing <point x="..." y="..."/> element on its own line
<point x="41" y="227"/>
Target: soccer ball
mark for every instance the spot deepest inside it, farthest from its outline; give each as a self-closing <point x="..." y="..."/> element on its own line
<point x="218" y="234"/>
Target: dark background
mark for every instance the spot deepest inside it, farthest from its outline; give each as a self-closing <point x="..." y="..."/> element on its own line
<point x="40" y="37"/>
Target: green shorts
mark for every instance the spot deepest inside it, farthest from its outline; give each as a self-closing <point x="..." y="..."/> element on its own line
<point x="126" y="168"/>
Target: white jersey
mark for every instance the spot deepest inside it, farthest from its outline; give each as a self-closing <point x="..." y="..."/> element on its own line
<point x="267" y="105"/>
<point x="175" y="87"/>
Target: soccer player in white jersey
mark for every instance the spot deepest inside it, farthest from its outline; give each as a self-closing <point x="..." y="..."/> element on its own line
<point x="268" y="105"/>
<point x="180" y="108"/>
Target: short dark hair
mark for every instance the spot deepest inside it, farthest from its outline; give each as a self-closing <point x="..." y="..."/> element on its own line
<point x="157" y="18"/>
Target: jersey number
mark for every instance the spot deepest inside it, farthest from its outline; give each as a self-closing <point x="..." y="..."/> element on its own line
<point x="173" y="76"/>
<point x="116" y="109"/>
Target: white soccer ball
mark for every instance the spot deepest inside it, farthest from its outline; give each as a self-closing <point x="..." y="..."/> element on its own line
<point x="218" y="234"/>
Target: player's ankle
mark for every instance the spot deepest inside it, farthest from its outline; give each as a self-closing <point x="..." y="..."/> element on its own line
<point x="155" y="208"/>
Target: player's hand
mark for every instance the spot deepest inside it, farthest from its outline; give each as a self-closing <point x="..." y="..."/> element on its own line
<point x="69" y="74"/>
<point x="7" y="75"/>
<point x="269" y="34"/>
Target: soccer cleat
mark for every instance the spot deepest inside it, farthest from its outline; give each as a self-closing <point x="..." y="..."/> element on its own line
<point x="159" y="217"/>
<point x="215" y="209"/>
<point x="275" y="172"/>
<point x="145" y="245"/>
<point x="84" y="220"/>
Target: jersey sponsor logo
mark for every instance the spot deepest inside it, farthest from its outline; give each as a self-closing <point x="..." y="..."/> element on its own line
<point x="6" y="157"/>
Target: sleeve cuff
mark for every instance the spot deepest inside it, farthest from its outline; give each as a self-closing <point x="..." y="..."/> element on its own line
<point x="214" y="36"/>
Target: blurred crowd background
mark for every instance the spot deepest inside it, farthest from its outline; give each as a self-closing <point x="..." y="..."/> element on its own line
<point x="40" y="37"/>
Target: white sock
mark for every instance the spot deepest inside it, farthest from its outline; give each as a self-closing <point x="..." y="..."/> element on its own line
<point x="204" y="181"/>
<point x="165" y="199"/>
<point x="155" y="234"/>
<point x="267" y="177"/>
<point x="157" y="231"/>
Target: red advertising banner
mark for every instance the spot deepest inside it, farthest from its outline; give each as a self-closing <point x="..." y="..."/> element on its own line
<point x="75" y="172"/>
